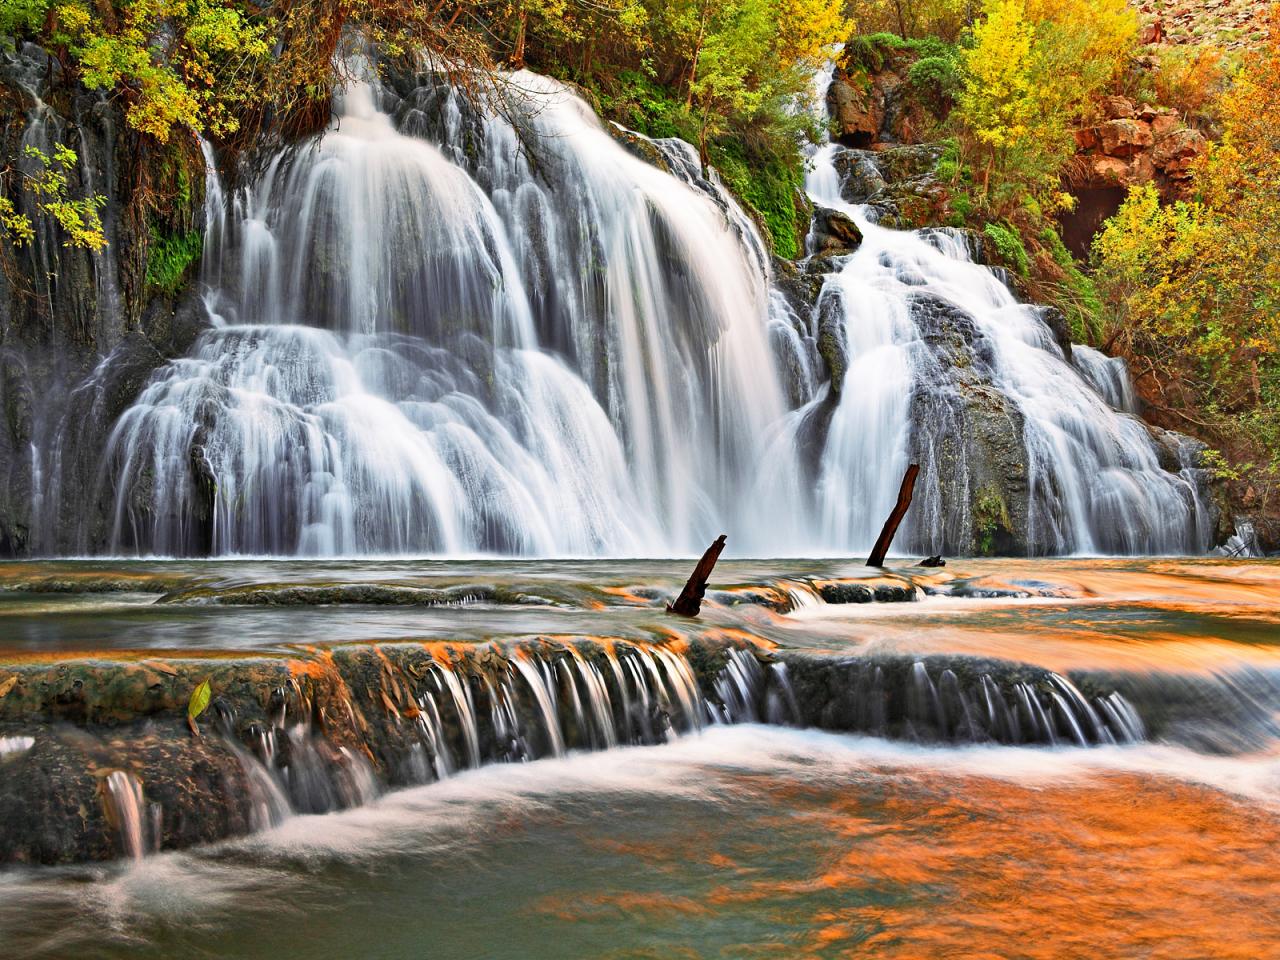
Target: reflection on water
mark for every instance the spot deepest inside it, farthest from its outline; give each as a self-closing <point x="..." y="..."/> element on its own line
<point x="1063" y="614"/>
<point x="741" y="842"/>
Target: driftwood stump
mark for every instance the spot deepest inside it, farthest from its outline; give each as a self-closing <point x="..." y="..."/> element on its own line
<point x="690" y="600"/>
<point x="899" y="511"/>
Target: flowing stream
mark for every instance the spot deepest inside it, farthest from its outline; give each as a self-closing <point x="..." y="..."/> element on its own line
<point x="549" y="763"/>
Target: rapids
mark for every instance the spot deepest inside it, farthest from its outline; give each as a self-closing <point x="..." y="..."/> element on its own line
<point x="743" y="840"/>
<point x="539" y="761"/>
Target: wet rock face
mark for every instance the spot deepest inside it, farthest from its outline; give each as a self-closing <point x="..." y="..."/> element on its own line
<point x="897" y="183"/>
<point x="833" y="232"/>
<point x="79" y="333"/>
<point x="978" y="496"/>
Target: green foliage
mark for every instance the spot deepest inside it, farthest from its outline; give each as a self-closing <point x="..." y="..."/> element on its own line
<point x="179" y="63"/>
<point x="170" y="257"/>
<point x="743" y="121"/>
<point x="49" y="186"/>
<point x="1218" y="466"/>
<point x="1009" y="247"/>
<point x="768" y="185"/>
<point x="990" y="517"/>
<point x="937" y="80"/>
<point x="22" y="17"/>
<point x="1076" y="294"/>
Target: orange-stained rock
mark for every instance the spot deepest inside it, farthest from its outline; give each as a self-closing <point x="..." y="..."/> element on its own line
<point x="1164" y="124"/>
<point x="858" y="115"/>
<point x="1110" y="170"/>
<point x="1118" y="108"/>
<point x="1124" y="138"/>
<point x="1087" y="138"/>
<point x="1174" y="154"/>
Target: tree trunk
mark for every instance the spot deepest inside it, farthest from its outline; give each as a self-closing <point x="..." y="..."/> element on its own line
<point x="899" y="511"/>
<point x="517" y="57"/>
<point x="690" y="600"/>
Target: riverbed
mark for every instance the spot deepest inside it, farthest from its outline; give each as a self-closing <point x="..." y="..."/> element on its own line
<point x="728" y="840"/>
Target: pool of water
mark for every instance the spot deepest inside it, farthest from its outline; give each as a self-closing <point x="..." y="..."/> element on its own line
<point x="745" y="841"/>
<point x="739" y="842"/>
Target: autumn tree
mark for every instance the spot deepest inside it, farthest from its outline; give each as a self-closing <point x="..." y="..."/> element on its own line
<point x="1196" y="285"/>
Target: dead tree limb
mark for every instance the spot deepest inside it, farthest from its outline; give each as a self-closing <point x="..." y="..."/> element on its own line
<point x="899" y="511"/>
<point x="690" y="600"/>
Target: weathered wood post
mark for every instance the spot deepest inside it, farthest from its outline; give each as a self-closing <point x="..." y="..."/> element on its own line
<point x="690" y="600"/>
<point x="899" y="511"/>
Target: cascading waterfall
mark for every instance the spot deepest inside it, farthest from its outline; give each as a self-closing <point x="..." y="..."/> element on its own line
<point x="546" y="698"/>
<point x="456" y="329"/>
<point x="405" y="361"/>
<point x="1094" y="475"/>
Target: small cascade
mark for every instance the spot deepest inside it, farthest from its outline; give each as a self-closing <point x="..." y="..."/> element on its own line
<point x="1109" y="376"/>
<point x="803" y="596"/>
<point x="126" y="811"/>
<point x="15" y="746"/>
<point x="463" y="710"/>
<point x="966" y="701"/>
<point x="752" y="692"/>
<point x="364" y="719"/>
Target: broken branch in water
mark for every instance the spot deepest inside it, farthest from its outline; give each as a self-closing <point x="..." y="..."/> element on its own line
<point x="690" y="600"/>
<point x="899" y="511"/>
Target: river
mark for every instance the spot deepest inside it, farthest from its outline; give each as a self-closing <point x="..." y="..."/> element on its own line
<point x="744" y="840"/>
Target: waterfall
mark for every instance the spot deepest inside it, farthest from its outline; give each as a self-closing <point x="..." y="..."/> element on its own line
<point x="1093" y="474"/>
<point x="455" y="328"/>
<point x="123" y="798"/>
<point x="570" y="359"/>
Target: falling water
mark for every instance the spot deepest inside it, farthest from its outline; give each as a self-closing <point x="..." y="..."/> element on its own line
<point x="408" y="361"/>
<point x="450" y="328"/>
<point x="1094" y="475"/>
<point x="124" y="800"/>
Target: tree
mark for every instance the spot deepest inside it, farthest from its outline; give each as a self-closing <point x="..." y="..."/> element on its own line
<point x="998" y="100"/>
<point x="1196" y="285"/>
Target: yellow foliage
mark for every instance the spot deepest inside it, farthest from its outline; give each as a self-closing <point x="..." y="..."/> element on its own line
<point x="1190" y="78"/>
<point x="1101" y="35"/>
<point x="998" y="101"/>
<point x="1198" y="284"/>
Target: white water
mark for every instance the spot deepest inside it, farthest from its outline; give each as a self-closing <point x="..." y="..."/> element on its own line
<point x="1094" y="477"/>
<point x="410" y="363"/>
<point x="451" y="331"/>
<point x="454" y="822"/>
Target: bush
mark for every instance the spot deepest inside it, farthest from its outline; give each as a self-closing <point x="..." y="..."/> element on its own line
<point x="936" y="81"/>
<point x="169" y="258"/>
<point x="1008" y="246"/>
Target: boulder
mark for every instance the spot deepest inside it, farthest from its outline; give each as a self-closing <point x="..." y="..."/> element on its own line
<point x="1124" y="137"/>
<point x="1175" y="153"/>
<point x="1164" y="123"/>
<point x="1118" y="108"/>
<point x="833" y="232"/>
<point x="857" y="114"/>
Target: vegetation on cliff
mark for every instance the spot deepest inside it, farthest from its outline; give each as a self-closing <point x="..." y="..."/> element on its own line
<point x="1193" y="288"/>
<point x="1043" y="106"/>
